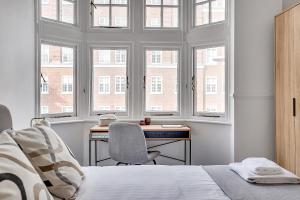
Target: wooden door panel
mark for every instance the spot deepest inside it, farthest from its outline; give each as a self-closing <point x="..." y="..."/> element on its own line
<point x="285" y="150"/>
<point x="297" y="84"/>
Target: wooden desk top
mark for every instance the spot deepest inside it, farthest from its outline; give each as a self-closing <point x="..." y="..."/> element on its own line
<point x="145" y="128"/>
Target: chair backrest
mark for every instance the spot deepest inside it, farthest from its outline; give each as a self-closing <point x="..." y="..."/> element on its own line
<point x="127" y="143"/>
<point x="5" y="118"/>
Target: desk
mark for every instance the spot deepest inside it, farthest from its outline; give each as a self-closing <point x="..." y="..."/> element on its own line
<point x="152" y="133"/>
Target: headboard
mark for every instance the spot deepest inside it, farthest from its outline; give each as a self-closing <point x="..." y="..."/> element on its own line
<point x="5" y="118"/>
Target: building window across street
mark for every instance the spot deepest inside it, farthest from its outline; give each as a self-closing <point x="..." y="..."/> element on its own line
<point x="104" y="85"/>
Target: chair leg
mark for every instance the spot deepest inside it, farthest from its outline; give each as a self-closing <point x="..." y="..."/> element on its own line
<point x="154" y="162"/>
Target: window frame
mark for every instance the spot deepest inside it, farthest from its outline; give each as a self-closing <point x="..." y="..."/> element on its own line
<point x="193" y="13"/>
<point x="179" y="6"/>
<point x="219" y="116"/>
<point x="58" y="19"/>
<point x="61" y="44"/>
<point x="128" y="98"/>
<point x="162" y="47"/>
<point x="109" y="27"/>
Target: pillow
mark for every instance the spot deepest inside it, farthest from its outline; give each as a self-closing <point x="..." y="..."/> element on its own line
<point x="18" y="178"/>
<point x="52" y="159"/>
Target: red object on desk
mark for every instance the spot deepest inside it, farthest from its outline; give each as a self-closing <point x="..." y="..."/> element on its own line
<point x="147" y="120"/>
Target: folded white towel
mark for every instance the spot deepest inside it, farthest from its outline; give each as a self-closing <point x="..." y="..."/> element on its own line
<point x="285" y="177"/>
<point x="262" y="166"/>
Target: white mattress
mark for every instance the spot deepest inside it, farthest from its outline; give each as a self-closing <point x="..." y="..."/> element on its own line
<point x="148" y="183"/>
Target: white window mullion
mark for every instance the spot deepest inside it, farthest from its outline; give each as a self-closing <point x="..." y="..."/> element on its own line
<point x="59" y="10"/>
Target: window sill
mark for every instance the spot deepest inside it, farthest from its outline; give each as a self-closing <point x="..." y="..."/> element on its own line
<point x="67" y="120"/>
<point x="59" y="23"/>
<point x="155" y="121"/>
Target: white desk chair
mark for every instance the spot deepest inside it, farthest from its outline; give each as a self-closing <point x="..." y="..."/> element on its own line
<point x="127" y="145"/>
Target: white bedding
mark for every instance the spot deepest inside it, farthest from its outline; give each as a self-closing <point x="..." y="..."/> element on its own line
<point x="149" y="183"/>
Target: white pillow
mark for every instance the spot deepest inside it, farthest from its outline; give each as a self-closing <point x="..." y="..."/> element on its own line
<point x="52" y="159"/>
<point x="18" y="178"/>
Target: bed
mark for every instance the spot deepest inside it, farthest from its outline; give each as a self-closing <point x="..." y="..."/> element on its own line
<point x="170" y="182"/>
<point x="177" y="182"/>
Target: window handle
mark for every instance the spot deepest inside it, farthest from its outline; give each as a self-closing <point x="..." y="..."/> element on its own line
<point x="294" y="107"/>
<point x="44" y="80"/>
<point x="127" y="82"/>
<point x="144" y="83"/>
<point x="93" y="4"/>
<point x="193" y="83"/>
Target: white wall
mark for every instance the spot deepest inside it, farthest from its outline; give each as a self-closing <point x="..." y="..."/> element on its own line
<point x="288" y="3"/>
<point x="17" y="72"/>
<point x="254" y="78"/>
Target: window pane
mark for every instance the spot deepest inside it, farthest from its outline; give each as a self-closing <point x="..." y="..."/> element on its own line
<point x="170" y="17"/>
<point x="57" y="82"/>
<point x="170" y="2"/>
<point x="49" y="9"/>
<point x="119" y="16"/>
<point x="161" y="80"/>
<point x="67" y="12"/>
<point x="153" y="2"/>
<point x="202" y="14"/>
<point x="101" y="16"/>
<point x="119" y="1"/>
<point x="210" y="75"/>
<point x="109" y="79"/>
<point x="218" y="10"/>
<point x="101" y="1"/>
<point x="153" y="18"/>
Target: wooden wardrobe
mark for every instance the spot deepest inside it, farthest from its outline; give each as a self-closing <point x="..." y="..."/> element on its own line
<point x="287" y="78"/>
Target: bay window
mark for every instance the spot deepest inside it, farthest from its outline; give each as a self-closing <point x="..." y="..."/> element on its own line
<point x="159" y="61"/>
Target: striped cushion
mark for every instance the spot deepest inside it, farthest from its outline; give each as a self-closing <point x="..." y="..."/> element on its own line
<point x="18" y="178"/>
<point x="52" y="159"/>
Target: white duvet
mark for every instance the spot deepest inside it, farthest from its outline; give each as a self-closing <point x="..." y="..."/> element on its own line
<point x="149" y="182"/>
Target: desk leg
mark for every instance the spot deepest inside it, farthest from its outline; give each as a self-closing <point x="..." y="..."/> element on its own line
<point x="96" y="152"/>
<point x="185" y="152"/>
<point x="190" y="152"/>
<point x="90" y="152"/>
